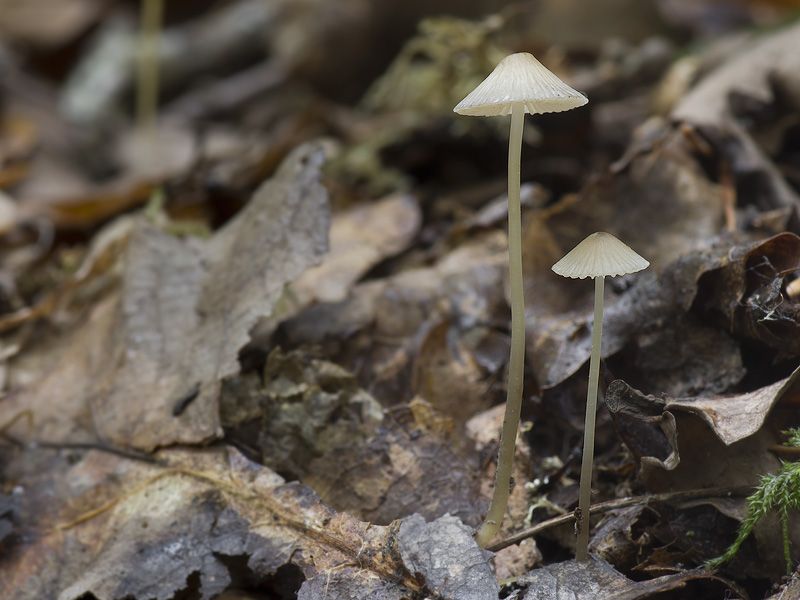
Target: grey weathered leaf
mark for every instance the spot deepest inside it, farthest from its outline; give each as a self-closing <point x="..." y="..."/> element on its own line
<point x="151" y="356"/>
<point x="445" y="554"/>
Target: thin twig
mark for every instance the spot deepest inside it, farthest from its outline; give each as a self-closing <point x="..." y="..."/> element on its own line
<point x="602" y="507"/>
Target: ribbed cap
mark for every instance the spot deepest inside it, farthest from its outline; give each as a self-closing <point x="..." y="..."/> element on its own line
<point x="600" y="255"/>
<point x="520" y="78"/>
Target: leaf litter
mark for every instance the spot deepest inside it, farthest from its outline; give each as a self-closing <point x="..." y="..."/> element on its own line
<point x="189" y="416"/>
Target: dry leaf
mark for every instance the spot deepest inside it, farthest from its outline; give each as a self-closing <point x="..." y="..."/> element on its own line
<point x="734" y="418"/>
<point x="360" y="238"/>
<point x="595" y="579"/>
<point x="151" y="362"/>
<point x="201" y="521"/>
<point x="735" y="101"/>
<point x="397" y="473"/>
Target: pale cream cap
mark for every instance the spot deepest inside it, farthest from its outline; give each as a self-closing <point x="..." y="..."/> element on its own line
<point x="520" y="78"/>
<point x="600" y="255"/>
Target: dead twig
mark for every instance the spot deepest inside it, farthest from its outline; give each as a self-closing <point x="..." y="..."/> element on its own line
<point x="621" y="503"/>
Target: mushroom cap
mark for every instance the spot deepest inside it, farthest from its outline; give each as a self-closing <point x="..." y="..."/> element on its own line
<point x="600" y="255"/>
<point x="520" y="78"/>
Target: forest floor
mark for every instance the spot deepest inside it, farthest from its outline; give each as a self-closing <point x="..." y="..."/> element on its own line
<point x="254" y="315"/>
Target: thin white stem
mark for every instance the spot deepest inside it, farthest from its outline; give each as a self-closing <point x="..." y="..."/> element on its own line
<point x="508" y="437"/>
<point x="582" y="547"/>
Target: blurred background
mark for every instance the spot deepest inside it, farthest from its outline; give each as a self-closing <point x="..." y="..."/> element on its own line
<point x="240" y="82"/>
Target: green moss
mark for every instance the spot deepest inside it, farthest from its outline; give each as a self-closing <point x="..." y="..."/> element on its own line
<point x="779" y="492"/>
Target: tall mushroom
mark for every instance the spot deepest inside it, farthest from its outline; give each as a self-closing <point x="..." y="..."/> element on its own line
<point x="599" y="256"/>
<point x="519" y="84"/>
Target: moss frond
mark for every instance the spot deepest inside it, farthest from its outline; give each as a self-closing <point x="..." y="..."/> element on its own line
<point x="780" y="492"/>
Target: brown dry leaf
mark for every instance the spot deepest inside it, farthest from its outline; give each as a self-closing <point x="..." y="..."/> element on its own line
<point x="595" y="579"/>
<point x="18" y="139"/>
<point x="36" y="21"/>
<point x="69" y="201"/>
<point x="747" y="293"/>
<point x="151" y="362"/>
<point x="746" y="96"/>
<point x="9" y="213"/>
<point x="732" y="418"/>
<point x="718" y="441"/>
<point x="735" y="417"/>
<point x="107" y="526"/>
<point x="307" y="407"/>
<point x="360" y="238"/>
<point x="399" y="472"/>
<point x="381" y="326"/>
<point x="643" y="425"/>
<point x="447" y="375"/>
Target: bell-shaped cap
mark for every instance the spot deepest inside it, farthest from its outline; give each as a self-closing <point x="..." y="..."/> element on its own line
<point x="600" y="255"/>
<point x="520" y="78"/>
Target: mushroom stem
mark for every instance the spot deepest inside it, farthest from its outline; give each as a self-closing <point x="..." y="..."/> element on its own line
<point x="508" y="437"/>
<point x="582" y="547"/>
<point x="147" y="77"/>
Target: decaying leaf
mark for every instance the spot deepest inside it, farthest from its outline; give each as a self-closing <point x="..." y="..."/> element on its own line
<point x="718" y="440"/>
<point x="306" y="408"/>
<point x="746" y="94"/>
<point x="747" y="292"/>
<point x="151" y="361"/>
<point x="595" y="579"/>
<point x="445" y="554"/>
<point x="397" y="473"/>
<point x="447" y="374"/>
<point x="734" y="418"/>
<point x="383" y="325"/>
<point x="359" y="239"/>
<point x="201" y="521"/>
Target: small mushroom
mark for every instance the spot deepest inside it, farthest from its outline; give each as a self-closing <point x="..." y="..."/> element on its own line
<point x="599" y="256"/>
<point x="519" y="84"/>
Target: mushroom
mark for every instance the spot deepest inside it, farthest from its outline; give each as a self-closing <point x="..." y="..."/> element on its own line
<point x="519" y="84"/>
<point x="599" y="256"/>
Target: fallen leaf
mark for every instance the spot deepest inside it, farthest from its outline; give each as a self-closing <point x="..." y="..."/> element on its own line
<point x="734" y="418"/>
<point x="397" y="473"/>
<point x="746" y="292"/>
<point x="595" y="579"/>
<point x="107" y="526"/>
<point x="719" y="440"/>
<point x="359" y="239"/>
<point x="729" y="110"/>
<point x="444" y="553"/>
<point x="34" y="22"/>
<point x="151" y="362"/>
<point x="305" y="408"/>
